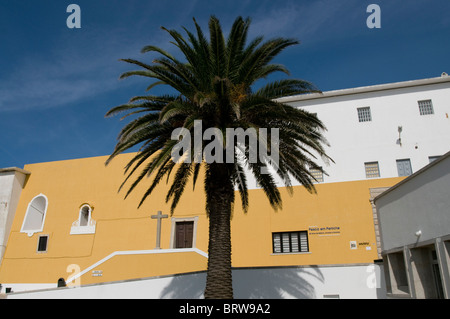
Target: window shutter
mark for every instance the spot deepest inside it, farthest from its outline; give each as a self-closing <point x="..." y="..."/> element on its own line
<point x="404" y="167"/>
<point x="285" y="241"/>
<point x="304" y="241"/>
<point x="290" y="242"/>
<point x="276" y="242"/>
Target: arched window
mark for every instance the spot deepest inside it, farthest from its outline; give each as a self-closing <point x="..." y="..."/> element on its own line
<point x="61" y="282"/>
<point x="85" y="224"/>
<point x="35" y="215"/>
<point x="85" y="215"/>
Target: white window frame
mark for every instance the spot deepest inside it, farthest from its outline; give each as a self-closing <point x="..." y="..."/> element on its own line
<point x="174" y="221"/>
<point x="30" y="232"/>
<point x="77" y="229"/>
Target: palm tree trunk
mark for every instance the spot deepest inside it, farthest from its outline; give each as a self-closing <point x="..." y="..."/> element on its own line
<point x="220" y="194"/>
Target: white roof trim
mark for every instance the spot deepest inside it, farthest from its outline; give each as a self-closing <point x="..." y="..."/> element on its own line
<point x="364" y="89"/>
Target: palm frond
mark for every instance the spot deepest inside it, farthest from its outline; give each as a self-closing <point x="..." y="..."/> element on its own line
<point x="214" y="83"/>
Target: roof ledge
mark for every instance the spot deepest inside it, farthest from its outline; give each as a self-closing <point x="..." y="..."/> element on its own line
<point x="14" y="169"/>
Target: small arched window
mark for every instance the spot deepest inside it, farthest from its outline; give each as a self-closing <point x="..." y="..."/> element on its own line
<point x="35" y="215"/>
<point x="85" y="215"/>
<point x="85" y="224"/>
<point x="61" y="282"/>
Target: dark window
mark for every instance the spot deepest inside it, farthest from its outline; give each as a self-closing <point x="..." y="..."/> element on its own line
<point x="42" y="244"/>
<point x="61" y="282"/>
<point x="290" y="242"/>
<point x="364" y="114"/>
<point x="184" y="234"/>
<point x="426" y="107"/>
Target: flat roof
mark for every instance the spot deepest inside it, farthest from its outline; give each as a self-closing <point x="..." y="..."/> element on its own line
<point x="364" y="89"/>
<point x="14" y="169"/>
<point x="420" y="171"/>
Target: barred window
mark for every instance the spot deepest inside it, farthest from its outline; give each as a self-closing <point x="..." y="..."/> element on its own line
<point x="426" y="107"/>
<point x="372" y="169"/>
<point x="317" y="173"/>
<point x="364" y="114"/>
<point x="290" y="242"/>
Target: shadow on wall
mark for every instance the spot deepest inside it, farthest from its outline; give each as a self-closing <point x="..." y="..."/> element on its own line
<point x="256" y="283"/>
<point x="185" y="287"/>
<point x="276" y="283"/>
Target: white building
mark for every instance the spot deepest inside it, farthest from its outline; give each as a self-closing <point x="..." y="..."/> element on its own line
<point x="400" y="126"/>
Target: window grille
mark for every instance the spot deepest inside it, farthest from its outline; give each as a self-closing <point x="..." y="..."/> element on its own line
<point x="317" y="173"/>
<point x="426" y="107"/>
<point x="364" y="114"/>
<point x="290" y="242"/>
<point x="372" y="169"/>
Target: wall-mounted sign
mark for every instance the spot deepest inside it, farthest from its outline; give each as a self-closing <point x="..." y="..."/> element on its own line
<point x="97" y="273"/>
<point x="354" y="245"/>
<point x="324" y="231"/>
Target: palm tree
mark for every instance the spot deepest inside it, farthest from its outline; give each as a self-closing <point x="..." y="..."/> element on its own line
<point x="215" y="85"/>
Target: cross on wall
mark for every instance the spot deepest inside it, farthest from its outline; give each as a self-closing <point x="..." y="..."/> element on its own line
<point x="158" y="216"/>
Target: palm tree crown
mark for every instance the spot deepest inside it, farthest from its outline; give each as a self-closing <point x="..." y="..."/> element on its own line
<point x="215" y="85"/>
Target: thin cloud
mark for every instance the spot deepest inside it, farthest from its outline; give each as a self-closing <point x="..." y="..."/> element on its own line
<point x="75" y="70"/>
<point x="86" y="63"/>
<point x="309" y="21"/>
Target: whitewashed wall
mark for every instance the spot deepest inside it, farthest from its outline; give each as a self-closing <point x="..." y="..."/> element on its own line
<point x="354" y="143"/>
<point x="346" y="282"/>
<point x="11" y="183"/>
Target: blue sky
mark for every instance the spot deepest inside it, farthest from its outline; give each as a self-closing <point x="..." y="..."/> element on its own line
<point x="56" y="83"/>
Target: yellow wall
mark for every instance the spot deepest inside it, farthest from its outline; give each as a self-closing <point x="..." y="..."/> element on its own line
<point x="120" y="226"/>
<point x="345" y="205"/>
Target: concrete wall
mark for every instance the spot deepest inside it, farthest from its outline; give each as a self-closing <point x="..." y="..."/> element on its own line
<point x="420" y="204"/>
<point x="355" y="282"/>
<point x="414" y="219"/>
<point x="11" y="182"/>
